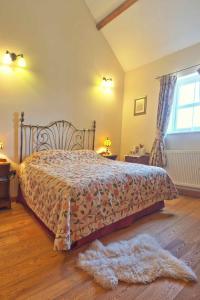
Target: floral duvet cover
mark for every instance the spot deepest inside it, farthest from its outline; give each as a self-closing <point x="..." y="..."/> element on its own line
<point x="75" y="193"/>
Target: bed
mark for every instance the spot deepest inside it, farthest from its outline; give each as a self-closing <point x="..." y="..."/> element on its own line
<point x="78" y="194"/>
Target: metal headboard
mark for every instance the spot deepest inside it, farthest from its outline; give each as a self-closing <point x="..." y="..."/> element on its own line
<point x="57" y="135"/>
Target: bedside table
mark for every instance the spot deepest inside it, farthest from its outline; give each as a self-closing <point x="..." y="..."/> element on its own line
<point x="5" y="200"/>
<point x="144" y="159"/>
<point x="112" y="156"/>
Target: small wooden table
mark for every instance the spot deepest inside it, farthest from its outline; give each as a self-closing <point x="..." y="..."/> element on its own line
<point x="5" y="200"/>
<point x="144" y="159"/>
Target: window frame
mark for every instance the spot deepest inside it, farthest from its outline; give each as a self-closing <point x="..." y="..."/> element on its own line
<point x="175" y="108"/>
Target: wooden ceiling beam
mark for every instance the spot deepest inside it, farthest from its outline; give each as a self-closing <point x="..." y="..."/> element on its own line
<point x="115" y="13"/>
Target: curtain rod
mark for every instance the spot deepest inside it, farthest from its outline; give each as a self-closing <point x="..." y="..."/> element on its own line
<point x="178" y="71"/>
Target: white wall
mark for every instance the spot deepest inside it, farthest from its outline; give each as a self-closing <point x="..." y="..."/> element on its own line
<point x="141" y="82"/>
<point x="66" y="59"/>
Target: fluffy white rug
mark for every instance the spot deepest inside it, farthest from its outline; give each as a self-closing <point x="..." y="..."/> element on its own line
<point x="139" y="260"/>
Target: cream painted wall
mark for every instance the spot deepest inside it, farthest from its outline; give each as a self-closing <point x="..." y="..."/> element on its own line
<point x="66" y="59"/>
<point x="141" y="82"/>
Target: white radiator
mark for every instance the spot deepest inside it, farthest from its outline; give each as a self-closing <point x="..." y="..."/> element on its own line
<point x="184" y="167"/>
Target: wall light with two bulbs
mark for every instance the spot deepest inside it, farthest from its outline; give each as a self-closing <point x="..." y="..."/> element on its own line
<point x="107" y="82"/>
<point x="10" y="57"/>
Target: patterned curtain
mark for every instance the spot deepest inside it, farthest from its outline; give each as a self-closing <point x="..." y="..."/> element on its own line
<point x="167" y="88"/>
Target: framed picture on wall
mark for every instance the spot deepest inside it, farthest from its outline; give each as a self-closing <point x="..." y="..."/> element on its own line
<point x="140" y="106"/>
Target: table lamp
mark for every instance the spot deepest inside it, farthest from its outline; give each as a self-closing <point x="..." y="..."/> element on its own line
<point x="107" y="143"/>
<point x="2" y="158"/>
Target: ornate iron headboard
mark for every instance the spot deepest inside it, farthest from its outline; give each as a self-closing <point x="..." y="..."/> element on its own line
<point x="57" y="135"/>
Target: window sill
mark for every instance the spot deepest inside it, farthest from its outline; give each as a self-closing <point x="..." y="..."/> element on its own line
<point x="182" y="132"/>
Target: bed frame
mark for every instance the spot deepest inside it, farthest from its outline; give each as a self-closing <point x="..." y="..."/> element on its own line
<point x="63" y="135"/>
<point x="56" y="135"/>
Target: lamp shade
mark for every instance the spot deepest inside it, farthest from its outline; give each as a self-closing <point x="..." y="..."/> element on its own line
<point x="7" y="58"/>
<point x="107" y="142"/>
<point x="21" y="62"/>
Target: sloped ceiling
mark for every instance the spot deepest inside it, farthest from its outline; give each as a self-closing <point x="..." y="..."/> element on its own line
<point x="150" y="29"/>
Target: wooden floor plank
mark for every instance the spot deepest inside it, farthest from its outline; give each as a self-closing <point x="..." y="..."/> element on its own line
<point x="30" y="269"/>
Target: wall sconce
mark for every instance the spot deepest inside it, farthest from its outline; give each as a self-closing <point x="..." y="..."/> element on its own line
<point x="1" y="145"/>
<point x="107" y="82"/>
<point x="9" y="57"/>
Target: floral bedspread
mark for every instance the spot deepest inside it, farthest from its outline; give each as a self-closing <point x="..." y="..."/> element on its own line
<point x="76" y="193"/>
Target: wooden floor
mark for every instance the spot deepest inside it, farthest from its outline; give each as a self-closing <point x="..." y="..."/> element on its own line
<point x="30" y="269"/>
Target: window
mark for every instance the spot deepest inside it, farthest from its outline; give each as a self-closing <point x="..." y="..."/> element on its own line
<point x="185" y="115"/>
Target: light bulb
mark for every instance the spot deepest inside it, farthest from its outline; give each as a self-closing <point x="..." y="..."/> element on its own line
<point x="21" y="62"/>
<point x="109" y="83"/>
<point x="7" y="58"/>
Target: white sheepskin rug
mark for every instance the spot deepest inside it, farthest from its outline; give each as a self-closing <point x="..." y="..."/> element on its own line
<point x="139" y="260"/>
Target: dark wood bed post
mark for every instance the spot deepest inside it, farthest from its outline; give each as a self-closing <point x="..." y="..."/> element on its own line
<point x="94" y="130"/>
<point x="21" y="135"/>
